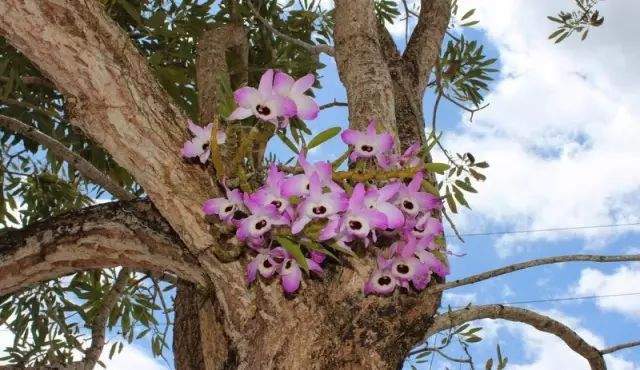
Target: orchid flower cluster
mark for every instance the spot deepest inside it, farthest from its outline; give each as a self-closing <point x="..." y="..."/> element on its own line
<point x="294" y="221"/>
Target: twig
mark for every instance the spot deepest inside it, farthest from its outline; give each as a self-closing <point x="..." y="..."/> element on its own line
<point x="619" y="347"/>
<point x="453" y="226"/>
<point x="58" y="149"/>
<point x="532" y="263"/>
<point x="315" y="49"/>
<point x="470" y="110"/>
<point x="334" y="103"/>
<point x="98" y="324"/>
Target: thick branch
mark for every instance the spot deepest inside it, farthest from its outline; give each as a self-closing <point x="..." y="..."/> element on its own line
<point x="113" y="97"/>
<point x="89" y="171"/>
<point x="361" y="66"/>
<point x="423" y="48"/>
<point x="540" y="322"/>
<point x="130" y="234"/>
<point x="533" y="263"/>
<point x="211" y="65"/>
<point x="98" y="324"/>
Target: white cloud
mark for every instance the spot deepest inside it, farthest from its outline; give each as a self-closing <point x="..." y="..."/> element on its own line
<point x="131" y="357"/>
<point x="561" y="131"/>
<point x="625" y="279"/>
<point x="458" y="299"/>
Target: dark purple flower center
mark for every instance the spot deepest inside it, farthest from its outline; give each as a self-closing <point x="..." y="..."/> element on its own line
<point x="355" y="225"/>
<point x="261" y="224"/>
<point x="407" y="205"/>
<point x="384" y="280"/>
<point x="262" y="109"/>
<point x="416" y="229"/>
<point x="367" y="148"/>
<point x="228" y="209"/>
<point x="277" y="203"/>
<point x="320" y="210"/>
<point x="402" y="268"/>
<point x="239" y="215"/>
<point x="288" y="264"/>
<point x="266" y="264"/>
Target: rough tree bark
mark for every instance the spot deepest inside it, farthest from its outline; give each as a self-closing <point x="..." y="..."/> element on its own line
<point x="118" y="104"/>
<point x="131" y="234"/>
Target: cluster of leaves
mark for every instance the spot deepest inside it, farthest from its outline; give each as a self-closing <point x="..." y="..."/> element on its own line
<point x="458" y="180"/>
<point x="576" y="21"/>
<point x="51" y="321"/>
<point x="464" y="71"/>
<point x="462" y="336"/>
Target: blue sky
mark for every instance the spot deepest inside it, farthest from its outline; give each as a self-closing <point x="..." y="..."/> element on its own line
<point x="561" y="135"/>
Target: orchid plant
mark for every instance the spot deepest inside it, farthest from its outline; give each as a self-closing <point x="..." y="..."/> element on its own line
<point x="303" y="214"/>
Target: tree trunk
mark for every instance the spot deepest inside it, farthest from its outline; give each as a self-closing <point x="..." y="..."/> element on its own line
<point x="199" y="340"/>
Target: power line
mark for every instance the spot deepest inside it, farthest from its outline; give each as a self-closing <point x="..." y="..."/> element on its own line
<point x="561" y="299"/>
<point x="570" y="228"/>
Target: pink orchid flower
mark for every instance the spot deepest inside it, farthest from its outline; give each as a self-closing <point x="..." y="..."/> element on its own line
<point x="378" y="199"/>
<point x="424" y="251"/>
<point x="263" y="263"/>
<point x="426" y="226"/>
<point x="409" y="158"/>
<point x="286" y="86"/>
<point x="360" y="220"/>
<point x="261" y="220"/>
<point x="198" y="146"/>
<point x="367" y="144"/>
<point x="318" y="204"/>
<point x="382" y="281"/>
<point x="229" y="209"/>
<point x="290" y="271"/>
<point x="412" y="201"/>
<point x="264" y="103"/>
<point x="406" y="267"/>
<point x="298" y="185"/>
<point x="271" y="193"/>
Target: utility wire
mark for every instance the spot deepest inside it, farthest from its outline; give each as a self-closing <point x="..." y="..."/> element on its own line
<point x="508" y="232"/>
<point x="560" y="299"/>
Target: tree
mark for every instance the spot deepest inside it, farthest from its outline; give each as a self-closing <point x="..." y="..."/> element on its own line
<point x="96" y="98"/>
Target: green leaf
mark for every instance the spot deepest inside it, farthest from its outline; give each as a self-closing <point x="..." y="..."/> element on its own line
<point x="459" y="196"/>
<point x="467" y="14"/>
<point x="427" y="186"/>
<point x="473" y="339"/>
<point x="323" y="136"/>
<point x="339" y="248"/>
<point x="465" y="186"/>
<point x="556" y="33"/>
<point x="295" y="251"/>
<point x="469" y="24"/>
<point x="489" y="364"/>
<point x="288" y="142"/>
<point x="318" y="247"/>
<point x="338" y="162"/>
<point x="436" y="167"/>
<point x="450" y="201"/>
